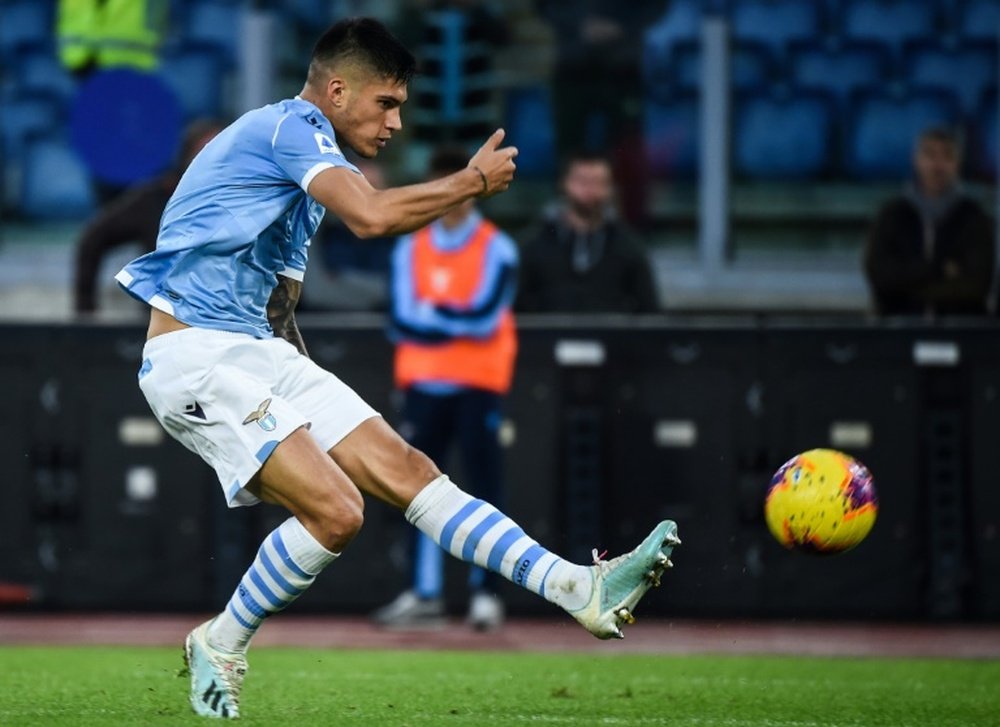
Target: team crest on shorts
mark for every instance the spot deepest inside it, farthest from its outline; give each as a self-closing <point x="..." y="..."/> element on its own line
<point x="265" y="419"/>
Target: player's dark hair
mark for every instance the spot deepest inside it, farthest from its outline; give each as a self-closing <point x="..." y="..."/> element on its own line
<point x="447" y="160"/>
<point x="584" y="156"/>
<point x="945" y="134"/>
<point x="367" y="42"/>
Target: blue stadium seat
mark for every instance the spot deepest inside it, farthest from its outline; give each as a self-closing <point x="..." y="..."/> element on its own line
<point x="839" y="71"/>
<point x="24" y="117"/>
<point x="194" y="74"/>
<point x="671" y="135"/>
<point x="750" y="66"/>
<point x="892" y="22"/>
<point x="531" y="129"/>
<point x="968" y="69"/>
<point x="776" y="23"/>
<point x="980" y="20"/>
<point x="783" y="137"/>
<point x="680" y="24"/>
<point x="42" y="73"/>
<point x="25" y="25"/>
<point x="882" y="128"/>
<point x="55" y="183"/>
<point x="216" y="23"/>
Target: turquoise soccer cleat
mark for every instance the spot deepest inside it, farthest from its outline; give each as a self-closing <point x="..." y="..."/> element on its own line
<point x="621" y="582"/>
<point x="216" y="677"/>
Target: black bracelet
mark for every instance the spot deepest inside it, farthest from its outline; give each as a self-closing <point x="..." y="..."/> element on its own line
<point x="486" y="186"/>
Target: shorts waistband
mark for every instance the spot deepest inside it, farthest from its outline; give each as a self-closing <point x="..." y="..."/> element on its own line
<point x="193" y="332"/>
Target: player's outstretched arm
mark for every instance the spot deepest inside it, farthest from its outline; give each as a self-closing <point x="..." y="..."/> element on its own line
<point x="370" y="212"/>
<point x="281" y="312"/>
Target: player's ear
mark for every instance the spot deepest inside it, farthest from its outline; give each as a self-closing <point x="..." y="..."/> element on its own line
<point x="336" y="89"/>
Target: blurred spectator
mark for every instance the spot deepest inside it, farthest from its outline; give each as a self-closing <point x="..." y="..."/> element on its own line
<point x="133" y="217"/>
<point x="930" y="250"/>
<point x="453" y="284"/>
<point x="583" y="258"/>
<point x="453" y="96"/>
<point x="597" y="90"/>
<point x="96" y="34"/>
<point x="345" y="272"/>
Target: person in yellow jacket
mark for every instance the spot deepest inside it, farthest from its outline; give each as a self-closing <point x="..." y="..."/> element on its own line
<point x="453" y="285"/>
<point x="96" y="34"/>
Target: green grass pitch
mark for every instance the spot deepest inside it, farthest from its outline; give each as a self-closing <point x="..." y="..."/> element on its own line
<point x="83" y="686"/>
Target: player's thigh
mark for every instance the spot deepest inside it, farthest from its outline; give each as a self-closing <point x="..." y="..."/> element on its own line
<point x="303" y="479"/>
<point x="383" y="464"/>
<point x="332" y="408"/>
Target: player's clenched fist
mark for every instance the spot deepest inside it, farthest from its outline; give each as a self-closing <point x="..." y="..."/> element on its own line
<point x="494" y="164"/>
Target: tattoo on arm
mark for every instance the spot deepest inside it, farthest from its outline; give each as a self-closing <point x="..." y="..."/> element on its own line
<point x="281" y="312"/>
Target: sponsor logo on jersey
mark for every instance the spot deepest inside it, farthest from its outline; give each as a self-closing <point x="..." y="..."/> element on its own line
<point x="326" y="144"/>
<point x="265" y="419"/>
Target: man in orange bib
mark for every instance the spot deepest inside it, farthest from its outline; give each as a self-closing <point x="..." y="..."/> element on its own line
<point x="453" y="285"/>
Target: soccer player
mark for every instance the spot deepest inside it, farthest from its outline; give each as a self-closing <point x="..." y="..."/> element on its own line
<point x="225" y="370"/>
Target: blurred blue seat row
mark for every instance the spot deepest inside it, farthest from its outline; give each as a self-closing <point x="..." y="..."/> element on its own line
<point x="969" y="70"/>
<point x="777" y="25"/>
<point x="805" y="134"/>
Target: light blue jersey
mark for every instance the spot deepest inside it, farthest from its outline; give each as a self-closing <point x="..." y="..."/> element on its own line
<point x="239" y="218"/>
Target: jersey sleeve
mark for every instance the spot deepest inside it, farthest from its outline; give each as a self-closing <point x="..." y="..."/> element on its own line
<point x="303" y="150"/>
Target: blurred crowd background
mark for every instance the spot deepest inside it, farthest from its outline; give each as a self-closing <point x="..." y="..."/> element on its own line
<point x="752" y="142"/>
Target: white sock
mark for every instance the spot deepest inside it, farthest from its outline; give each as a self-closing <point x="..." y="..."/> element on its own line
<point x="477" y="532"/>
<point x="287" y="563"/>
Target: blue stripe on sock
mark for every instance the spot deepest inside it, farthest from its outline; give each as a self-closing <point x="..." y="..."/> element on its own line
<point x="279" y="545"/>
<point x="448" y="533"/>
<point x="251" y="605"/>
<point x="541" y="587"/>
<point x="469" y="549"/>
<point x="282" y="582"/>
<point x="243" y="621"/>
<point x="501" y="547"/>
<point x="263" y="588"/>
<point x="531" y="555"/>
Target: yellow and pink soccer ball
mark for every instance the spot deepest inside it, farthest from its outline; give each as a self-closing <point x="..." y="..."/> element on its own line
<point x="821" y="501"/>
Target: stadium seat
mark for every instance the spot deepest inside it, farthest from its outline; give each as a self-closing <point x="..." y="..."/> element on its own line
<point x="882" y="128"/>
<point x="24" y="117"/>
<point x="42" y="73"/>
<point x="776" y="23"/>
<point x="531" y="129"/>
<point x="194" y="74"/>
<point x="968" y="70"/>
<point x="671" y="135"/>
<point x="55" y="183"/>
<point x="216" y="23"/>
<point x="839" y="71"/>
<point x="980" y="20"/>
<point x="787" y="136"/>
<point x="680" y="24"/>
<point x="750" y="66"/>
<point x="892" y="22"/>
<point x="26" y="25"/>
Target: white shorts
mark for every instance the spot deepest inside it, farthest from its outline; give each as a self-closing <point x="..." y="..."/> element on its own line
<point x="232" y="398"/>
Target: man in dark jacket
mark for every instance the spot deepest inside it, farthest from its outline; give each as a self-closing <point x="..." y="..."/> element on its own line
<point x="930" y="251"/>
<point x="583" y="258"/>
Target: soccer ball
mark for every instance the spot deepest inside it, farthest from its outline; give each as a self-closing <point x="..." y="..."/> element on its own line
<point x="821" y="501"/>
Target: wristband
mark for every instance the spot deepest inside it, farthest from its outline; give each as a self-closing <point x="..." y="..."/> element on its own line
<point x="486" y="186"/>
